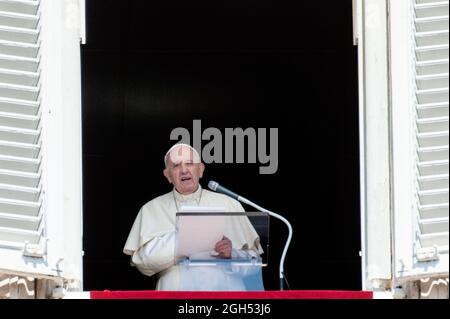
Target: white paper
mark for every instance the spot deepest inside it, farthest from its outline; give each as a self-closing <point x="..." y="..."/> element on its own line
<point x="197" y="233"/>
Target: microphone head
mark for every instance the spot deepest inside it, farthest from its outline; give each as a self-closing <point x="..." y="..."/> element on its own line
<point x="213" y="185"/>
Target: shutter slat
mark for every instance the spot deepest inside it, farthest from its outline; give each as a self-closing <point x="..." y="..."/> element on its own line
<point x="433" y="225"/>
<point x="19" y="6"/>
<point x="430" y="110"/>
<point x="30" y="194"/>
<point x="432" y="9"/>
<point x="19" y="63"/>
<point x="19" y="135"/>
<point x="435" y="196"/>
<point x="433" y="139"/>
<point x="428" y="38"/>
<point x="433" y="181"/>
<point x="19" y="236"/>
<point x="433" y="52"/>
<point x="20" y="221"/>
<point x="19" y="178"/>
<point x="18" y="106"/>
<point x="19" y="77"/>
<point x="19" y="34"/>
<point x="429" y="240"/>
<point x="19" y="149"/>
<point x="20" y="121"/>
<point x="432" y="95"/>
<point x="12" y="206"/>
<point x="19" y="164"/>
<point x="432" y="24"/>
<point x="432" y="124"/>
<point x="434" y="210"/>
<point x="430" y="66"/>
<point x="433" y="153"/>
<point x="19" y="20"/>
<point x="430" y="81"/>
<point x="21" y="92"/>
<point x="12" y="48"/>
<point x="427" y="1"/>
<point x="433" y="168"/>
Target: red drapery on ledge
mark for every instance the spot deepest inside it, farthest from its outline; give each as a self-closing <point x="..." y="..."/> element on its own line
<point x="274" y="294"/>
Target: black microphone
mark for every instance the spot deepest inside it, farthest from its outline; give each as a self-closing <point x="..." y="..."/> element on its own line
<point x="214" y="186"/>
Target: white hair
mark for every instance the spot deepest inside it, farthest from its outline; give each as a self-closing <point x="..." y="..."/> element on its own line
<point x="197" y="158"/>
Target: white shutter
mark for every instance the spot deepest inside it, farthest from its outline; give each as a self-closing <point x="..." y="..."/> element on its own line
<point x="40" y="142"/>
<point x="409" y="175"/>
<point x="22" y="230"/>
<point x="431" y="23"/>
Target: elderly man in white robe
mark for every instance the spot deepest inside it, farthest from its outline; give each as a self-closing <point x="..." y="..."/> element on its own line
<point x="151" y="242"/>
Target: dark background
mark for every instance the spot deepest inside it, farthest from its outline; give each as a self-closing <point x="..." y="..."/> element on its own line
<point x="151" y="66"/>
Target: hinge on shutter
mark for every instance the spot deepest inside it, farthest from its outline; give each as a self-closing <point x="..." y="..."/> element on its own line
<point x="35" y="250"/>
<point x="427" y="254"/>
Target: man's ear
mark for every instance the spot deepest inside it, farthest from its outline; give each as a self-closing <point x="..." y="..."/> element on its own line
<point x="166" y="174"/>
<point x="201" y="169"/>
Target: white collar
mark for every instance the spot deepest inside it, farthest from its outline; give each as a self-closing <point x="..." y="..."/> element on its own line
<point x="189" y="197"/>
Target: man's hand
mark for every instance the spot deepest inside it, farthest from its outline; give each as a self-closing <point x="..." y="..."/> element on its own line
<point x="223" y="247"/>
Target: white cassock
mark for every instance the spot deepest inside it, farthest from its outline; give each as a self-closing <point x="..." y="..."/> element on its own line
<point x="151" y="242"/>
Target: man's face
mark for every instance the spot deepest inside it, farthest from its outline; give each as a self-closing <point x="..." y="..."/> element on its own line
<point x="183" y="170"/>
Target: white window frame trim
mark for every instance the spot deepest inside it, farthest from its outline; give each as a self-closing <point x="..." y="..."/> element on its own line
<point x="375" y="179"/>
<point x="63" y="144"/>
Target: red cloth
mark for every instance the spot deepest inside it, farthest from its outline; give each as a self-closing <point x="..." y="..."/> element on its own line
<point x="273" y="294"/>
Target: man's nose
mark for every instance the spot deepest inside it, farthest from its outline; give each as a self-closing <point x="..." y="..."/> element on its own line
<point x="184" y="168"/>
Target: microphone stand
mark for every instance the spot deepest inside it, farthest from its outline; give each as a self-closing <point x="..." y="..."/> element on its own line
<point x="288" y="241"/>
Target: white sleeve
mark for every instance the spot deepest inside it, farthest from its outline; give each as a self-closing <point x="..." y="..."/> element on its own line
<point x="156" y="255"/>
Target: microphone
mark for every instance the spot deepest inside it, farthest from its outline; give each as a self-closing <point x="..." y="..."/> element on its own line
<point x="220" y="189"/>
<point x="214" y="186"/>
